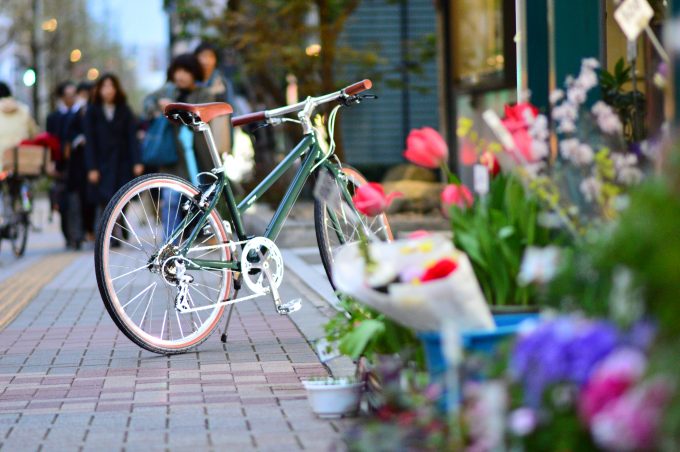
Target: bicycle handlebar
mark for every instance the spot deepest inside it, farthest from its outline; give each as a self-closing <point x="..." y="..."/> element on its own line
<point x="358" y="87"/>
<point x="351" y="90"/>
<point x="248" y="118"/>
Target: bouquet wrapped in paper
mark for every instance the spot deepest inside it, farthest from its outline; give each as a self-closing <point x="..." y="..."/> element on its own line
<point x="420" y="283"/>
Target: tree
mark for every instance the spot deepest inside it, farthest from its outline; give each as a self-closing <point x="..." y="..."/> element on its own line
<point x="275" y="38"/>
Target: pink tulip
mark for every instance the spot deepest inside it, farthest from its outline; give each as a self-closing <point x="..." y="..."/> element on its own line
<point x="425" y="147"/>
<point x="468" y="153"/>
<point x="456" y="195"/>
<point x="370" y="199"/>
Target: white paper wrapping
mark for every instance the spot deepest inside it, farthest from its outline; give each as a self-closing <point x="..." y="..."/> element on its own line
<point x="456" y="299"/>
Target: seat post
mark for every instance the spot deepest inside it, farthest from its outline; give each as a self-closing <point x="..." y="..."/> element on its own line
<point x="212" y="147"/>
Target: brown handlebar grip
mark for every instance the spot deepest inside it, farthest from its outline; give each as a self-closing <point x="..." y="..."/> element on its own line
<point x="358" y="87"/>
<point x="248" y="118"/>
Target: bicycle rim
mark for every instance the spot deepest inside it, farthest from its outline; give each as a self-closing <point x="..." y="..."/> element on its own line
<point x="138" y="289"/>
<point x="338" y="225"/>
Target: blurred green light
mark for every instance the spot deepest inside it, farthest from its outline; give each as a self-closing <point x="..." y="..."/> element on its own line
<point x="29" y="77"/>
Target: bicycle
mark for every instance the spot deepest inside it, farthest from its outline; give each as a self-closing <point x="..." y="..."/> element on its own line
<point x="16" y="205"/>
<point x="166" y="286"/>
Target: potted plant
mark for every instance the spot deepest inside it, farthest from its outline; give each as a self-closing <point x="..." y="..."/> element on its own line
<point x="334" y="397"/>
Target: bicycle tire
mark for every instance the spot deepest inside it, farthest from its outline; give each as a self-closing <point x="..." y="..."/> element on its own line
<point x="323" y="233"/>
<point x="106" y="287"/>
<point x="21" y="235"/>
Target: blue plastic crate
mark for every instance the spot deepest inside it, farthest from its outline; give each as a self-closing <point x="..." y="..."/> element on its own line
<point x="482" y="341"/>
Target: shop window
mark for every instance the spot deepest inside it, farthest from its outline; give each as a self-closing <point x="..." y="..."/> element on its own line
<point x="483" y="49"/>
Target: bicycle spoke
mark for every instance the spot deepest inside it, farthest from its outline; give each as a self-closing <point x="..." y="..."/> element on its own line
<point x="139" y="294"/>
<point x="126" y="243"/>
<point x="148" y="222"/>
<point x="130" y="272"/>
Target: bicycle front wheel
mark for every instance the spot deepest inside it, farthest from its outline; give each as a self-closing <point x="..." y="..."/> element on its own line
<point x="336" y="225"/>
<point x="138" y="262"/>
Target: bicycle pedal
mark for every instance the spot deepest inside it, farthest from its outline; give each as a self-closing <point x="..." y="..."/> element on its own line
<point x="290" y="307"/>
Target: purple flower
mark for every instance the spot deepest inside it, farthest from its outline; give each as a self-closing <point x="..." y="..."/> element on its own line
<point x="563" y="350"/>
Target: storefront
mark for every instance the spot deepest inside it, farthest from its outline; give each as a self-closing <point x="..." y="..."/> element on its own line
<point x="496" y="51"/>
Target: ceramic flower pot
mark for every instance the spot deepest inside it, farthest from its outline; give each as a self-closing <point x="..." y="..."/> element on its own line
<point x="333" y="398"/>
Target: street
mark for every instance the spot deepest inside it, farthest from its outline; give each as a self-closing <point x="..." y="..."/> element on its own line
<point x="69" y="380"/>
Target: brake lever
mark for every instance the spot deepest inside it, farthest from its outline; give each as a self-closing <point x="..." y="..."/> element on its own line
<point x="348" y="101"/>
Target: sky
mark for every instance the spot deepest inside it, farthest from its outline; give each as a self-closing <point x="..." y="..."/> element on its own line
<point x="141" y="26"/>
<point x="136" y="22"/>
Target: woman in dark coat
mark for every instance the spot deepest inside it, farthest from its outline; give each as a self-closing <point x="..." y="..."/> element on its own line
<point x="111" y="148"/>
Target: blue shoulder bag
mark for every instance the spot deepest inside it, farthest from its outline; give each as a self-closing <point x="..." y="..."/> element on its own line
<point x="158" y="147"/>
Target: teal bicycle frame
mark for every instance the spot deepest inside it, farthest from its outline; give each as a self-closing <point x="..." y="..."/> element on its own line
<point x="308" y="149"/>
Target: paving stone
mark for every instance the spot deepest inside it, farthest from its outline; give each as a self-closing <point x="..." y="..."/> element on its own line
<point x="70" y="380"/>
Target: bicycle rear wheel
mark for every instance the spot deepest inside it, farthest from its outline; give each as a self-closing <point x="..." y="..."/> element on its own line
<point x="335" y="226"/>
<point x="137" y="264"/>
<point x="19" y="233"/>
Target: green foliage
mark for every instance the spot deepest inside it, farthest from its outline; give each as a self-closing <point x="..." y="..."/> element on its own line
<point x="361" y="331"/>
<point x="629" y="104"/>
<point x="494" y="233"/>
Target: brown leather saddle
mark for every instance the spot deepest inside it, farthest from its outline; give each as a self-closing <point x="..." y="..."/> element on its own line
<point x="193" y="114"/>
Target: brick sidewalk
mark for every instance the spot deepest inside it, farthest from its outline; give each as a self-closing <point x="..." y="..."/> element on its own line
<point x="69" y="380"/>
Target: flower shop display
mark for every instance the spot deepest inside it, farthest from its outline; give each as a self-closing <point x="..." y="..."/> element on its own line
<point x="564" y="219"/>
<point x="332" y="398"/>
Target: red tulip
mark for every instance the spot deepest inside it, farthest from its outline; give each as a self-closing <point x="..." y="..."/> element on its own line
<point x="440" y="269"/>
<point x="489" y="160"/>
<point x="370" y="199"/>
<point x="456" y="195"/>
<point x="519" y="111"/>
<point x="515" y="121"/>
<point x="425" y="147"/>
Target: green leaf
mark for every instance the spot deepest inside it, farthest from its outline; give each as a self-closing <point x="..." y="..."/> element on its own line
<point x="354" y="343"/>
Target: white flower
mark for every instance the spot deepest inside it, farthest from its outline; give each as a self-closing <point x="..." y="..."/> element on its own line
<point x="629" y="176"/>
<point x="556" y="96"/>
<point x="587" y="79"/>
<point x="607" y="120"/>
<point x="591" y="188"/>
<point x="567" y="147"/>
<point x="577" y="94"/>
<point x="566" y="110"/>
<point x="582" y="155"/>
<point x="539" y="265"/>
<point x="590" y="63"/>
<point x="567" y="126"/>
<point x="523" y="421"/>
<point x="539" y="149"/>
<point x="539" y="128"/>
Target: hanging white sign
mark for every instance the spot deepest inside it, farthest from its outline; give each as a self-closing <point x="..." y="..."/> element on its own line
<point x="633" y="17"/>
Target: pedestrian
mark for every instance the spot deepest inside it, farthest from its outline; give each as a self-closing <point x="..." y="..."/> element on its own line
<point x="111" y="149"/>
<point x="183" y="85"/>
<point x="81" y="209"/>
<point x="219" y="86"/>
<point x="16" y="123"/>
<point x="58" y="122"/>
